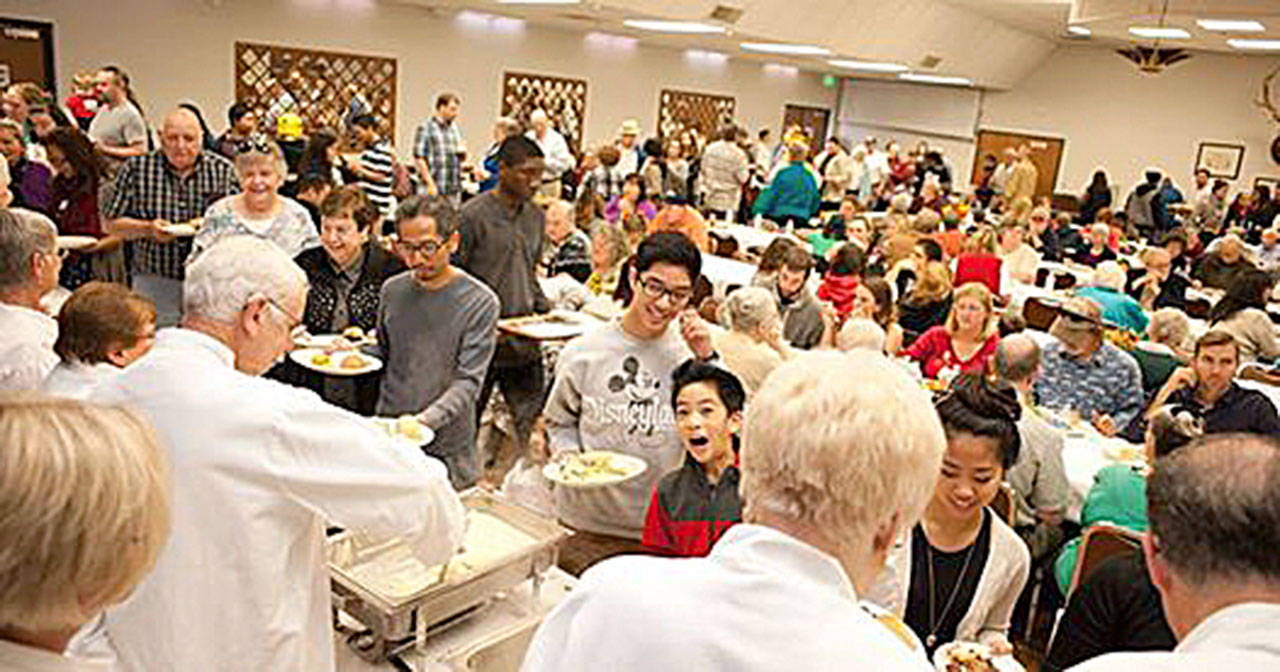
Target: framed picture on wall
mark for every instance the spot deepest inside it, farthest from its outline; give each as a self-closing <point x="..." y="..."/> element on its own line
<point x="1220" y="159"/>
<point x="1271" y="183"/>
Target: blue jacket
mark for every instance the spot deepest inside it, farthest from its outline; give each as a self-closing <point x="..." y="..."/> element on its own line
<point x="792" y="193"/>
<point x="1117" y="308"/>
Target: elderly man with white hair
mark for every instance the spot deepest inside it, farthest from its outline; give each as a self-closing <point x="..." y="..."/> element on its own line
<point x="780" y="591"/>
<point x="259" y="470"/>
<point x="566" y="249"/>
<point x="1098" y="248"/>
<point x="1222" y="265"/>
<point x="1214" y="508"/>
<point x="555" y="150"/>
<point x="29" y="266"/>
<point x="1106" y="288"/>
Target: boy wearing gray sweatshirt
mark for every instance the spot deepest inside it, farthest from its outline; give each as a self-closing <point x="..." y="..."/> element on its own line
<point x="610" y="393"/>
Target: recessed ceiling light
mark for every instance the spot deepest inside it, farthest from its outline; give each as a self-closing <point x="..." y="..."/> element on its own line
<point x="1079" y="31"/>
<point x="869" y="66"/>
<point x="1159" y="32"/>
<point x="674" y="26"/>
<point x="788" y="49"/>
<point x="1231" y="25"/>
<point x="935" y="79"/>
<point x="1257" y="45"/>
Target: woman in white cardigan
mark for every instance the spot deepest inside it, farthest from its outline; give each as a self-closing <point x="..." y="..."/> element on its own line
<point x="959" y="574"/>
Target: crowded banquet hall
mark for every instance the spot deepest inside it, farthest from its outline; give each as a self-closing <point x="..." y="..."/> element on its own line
<point x="652" y="335"/>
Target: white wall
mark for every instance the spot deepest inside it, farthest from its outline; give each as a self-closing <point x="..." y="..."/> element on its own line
<point x="176" y="50"/>
<point x="1114" y="117"/>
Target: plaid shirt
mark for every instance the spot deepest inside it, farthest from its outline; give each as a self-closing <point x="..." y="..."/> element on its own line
<point x="1108" y="381"/>
<point x="439" y="143"/>
<point x="147" y="188"/>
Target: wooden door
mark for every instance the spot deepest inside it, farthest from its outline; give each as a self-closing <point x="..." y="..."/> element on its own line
<point x="26" y="53"/>
<point x="813" y="120"/>
<point x="1046" y="154"/>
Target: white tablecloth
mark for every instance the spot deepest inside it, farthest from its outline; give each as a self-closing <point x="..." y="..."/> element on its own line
<point x="722" y="272"/>
<point x="749" y="236"/>
<point x="1084" y="454"/>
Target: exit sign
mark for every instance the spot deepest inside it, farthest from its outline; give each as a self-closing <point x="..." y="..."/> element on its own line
<point x="829" y="81"/>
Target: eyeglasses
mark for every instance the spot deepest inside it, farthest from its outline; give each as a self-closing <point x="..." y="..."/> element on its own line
<point x="654" y="289"/>
<point x="427" y="248"/>
<point x="297" y="330"/>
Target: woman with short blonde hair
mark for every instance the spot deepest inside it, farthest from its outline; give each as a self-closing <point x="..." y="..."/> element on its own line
<point x="85" y="493"/>
<point x="259" y="210"/>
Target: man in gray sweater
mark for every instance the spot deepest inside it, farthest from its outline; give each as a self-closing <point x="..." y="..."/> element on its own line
<point x="437" y="326"/>
<point x="612" y="391"/>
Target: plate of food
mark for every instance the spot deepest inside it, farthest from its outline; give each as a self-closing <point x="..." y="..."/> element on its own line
<point x="963" y="657"/>
<point x="554" y="326"/>
<point x="75" y="242"/>
<point x="335" y="362"/>
<point x="1118" y="450"/>
<point x="593" y="469"/>
<point x="183" y="230"/>
<point x="407" y="427"/>
<point x="351" y="337"/>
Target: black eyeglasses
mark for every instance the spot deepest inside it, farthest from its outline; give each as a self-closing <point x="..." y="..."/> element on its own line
<point x="426" y="248"/>
<point x="654" y="289"/>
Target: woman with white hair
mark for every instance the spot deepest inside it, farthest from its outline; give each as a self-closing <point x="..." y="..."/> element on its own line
<point x="85" y="493"/>
<point x="1098" y="250"/>
<point x="259" y="210"/>
<point x="860" y="333"/>
<point x="1106" y="288"/>
<point x="1165" y="349"/>
<point x="753" y="344"/>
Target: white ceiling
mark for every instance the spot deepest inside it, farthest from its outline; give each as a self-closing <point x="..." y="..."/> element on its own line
<point x="993" y="42"/>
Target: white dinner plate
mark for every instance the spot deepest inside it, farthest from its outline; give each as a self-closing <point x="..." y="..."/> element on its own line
<point x="1005" y="663"/>
<point x="305" y="357"/>
<point x="179" y="230"/>
<point x="574" y="470"/>
<point x="75" y="242"/>
<point x="420" y="434"/>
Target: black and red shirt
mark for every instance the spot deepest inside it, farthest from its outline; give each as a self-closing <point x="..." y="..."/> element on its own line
<point x="688" y="513"/>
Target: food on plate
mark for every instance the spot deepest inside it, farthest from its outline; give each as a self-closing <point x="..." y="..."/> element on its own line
<point x="408" y="427"/>
<point x="594" y="467"/>
<point x="968" y="657"/>
<point x="321" y="359"/>
<point x="352" y="362"/>
<point x="353" y="334"/>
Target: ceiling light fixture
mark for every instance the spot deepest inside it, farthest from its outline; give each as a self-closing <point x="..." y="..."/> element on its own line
<point x="869" y="66"/>
<point x="1159" y="33"/>
<point x="786" y="49"/>
<point x="689" y="27"/>
<point x="1255" y="45"/>
<point x="1079" y="31"/>
<point x="780" y="70"/>
<point x="935" y="79"/>
<point x="1231" y="25"/>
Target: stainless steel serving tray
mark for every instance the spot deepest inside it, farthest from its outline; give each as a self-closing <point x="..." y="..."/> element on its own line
<point x="396" y="618"/>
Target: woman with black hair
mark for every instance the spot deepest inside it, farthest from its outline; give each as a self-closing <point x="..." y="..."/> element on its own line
<point x="632" y="200"/>
<point x="1242" y="312"/>
<point x="320" y="156"/>
<point x="1096" y="197"/>
<point x="961" y="570"/>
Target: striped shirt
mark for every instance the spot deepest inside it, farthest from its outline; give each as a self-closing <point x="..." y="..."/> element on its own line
<point x="148" y="188"/>
<point x="379" y="159"/>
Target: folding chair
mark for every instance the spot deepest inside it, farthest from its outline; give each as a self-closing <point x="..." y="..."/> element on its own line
<point x="1039" y="313"/>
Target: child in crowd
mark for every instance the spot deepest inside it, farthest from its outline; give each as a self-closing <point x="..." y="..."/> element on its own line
<point x="693" y="505"/>
<point x="841" y="279"/>
<point x="82" y="102"/>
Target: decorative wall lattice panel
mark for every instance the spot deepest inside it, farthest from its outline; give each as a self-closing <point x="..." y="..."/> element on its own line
<point x="323" y="87"/>
<point x="679" y="111"/>
<point x="564" y="100"/>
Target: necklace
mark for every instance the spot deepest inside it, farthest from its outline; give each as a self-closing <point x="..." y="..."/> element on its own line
<point x="932" y="638"/>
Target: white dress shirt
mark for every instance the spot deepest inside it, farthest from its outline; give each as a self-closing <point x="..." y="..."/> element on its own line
<point x="16" y="657"/>
<point x="556" y="154"/>
<point x="258" y="469"/>
<point x="762" y="600"/>
<point x="1239" y="638"/>
<point x="75" y="380"/>
<point x="26" y="353"/>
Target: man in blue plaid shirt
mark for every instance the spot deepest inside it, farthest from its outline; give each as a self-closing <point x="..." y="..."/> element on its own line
<point x="437" y="149"/>
<point x="171" y="186"/>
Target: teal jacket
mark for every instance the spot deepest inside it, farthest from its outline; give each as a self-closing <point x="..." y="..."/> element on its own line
<point x="792" y="193"/>
<point x="1118" y="308"/>
<point x="1119" y="497"/>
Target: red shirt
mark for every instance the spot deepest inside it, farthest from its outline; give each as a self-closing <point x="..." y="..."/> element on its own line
<point x="838" y="289"/>
<point x="981" y="267"/>
<point x="688" y="513"/>
<point x="934" y="351"/>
